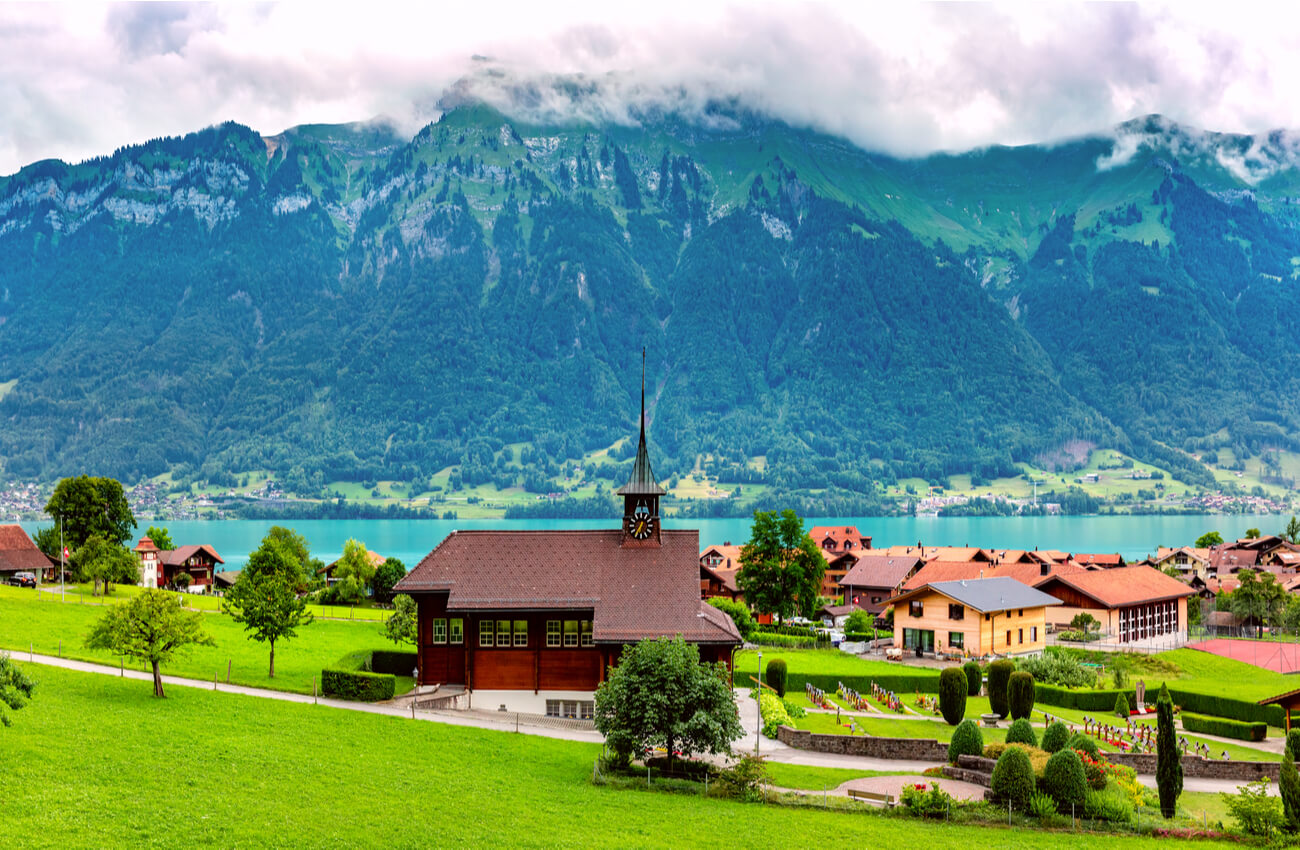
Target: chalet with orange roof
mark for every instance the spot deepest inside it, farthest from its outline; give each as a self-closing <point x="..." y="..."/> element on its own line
<point x="876" y="578"/>
<point x="160" y="567"/>
<point x="1098" y="561"/>
<point x="839" y="538"/>
<point x="1132" y="603"/>
<point x="1187" y="560"/>
<point x="940" y="553"/>
<point x="532" y="620"/>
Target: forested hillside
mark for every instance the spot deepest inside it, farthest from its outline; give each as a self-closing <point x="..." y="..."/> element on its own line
<point x="338" y="303"/>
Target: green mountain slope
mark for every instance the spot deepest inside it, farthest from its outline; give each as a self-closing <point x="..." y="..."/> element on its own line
<point x="337" y="303"/>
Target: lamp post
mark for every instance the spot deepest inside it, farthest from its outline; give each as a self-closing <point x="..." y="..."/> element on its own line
<point x="758" y="704"/>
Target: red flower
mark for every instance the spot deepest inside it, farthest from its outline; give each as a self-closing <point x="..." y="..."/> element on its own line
<point x="920" y="786"/>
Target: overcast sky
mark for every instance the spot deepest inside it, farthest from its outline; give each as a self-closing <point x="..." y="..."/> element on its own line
<point x="906" y="78"/>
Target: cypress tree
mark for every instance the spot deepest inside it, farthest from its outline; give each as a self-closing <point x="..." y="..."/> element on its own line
<point x="1289" y="787"/>
<point x="952" y="694"/>
<point x="999" y="673"/>
<point x="1169" y="765"/>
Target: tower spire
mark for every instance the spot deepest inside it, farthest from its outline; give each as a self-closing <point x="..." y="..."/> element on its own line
<point x="642" y="482"/>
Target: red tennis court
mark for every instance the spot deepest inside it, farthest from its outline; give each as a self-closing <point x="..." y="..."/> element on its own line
<point x="1278" y="657"/>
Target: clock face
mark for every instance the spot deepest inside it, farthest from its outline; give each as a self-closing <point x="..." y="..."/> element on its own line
<point x="641" y="523"/>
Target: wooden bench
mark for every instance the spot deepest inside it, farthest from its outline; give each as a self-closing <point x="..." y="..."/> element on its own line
<point x="887" y="800"/>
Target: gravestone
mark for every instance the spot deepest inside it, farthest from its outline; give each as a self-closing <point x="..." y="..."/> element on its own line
<point x="1141" y="693"/>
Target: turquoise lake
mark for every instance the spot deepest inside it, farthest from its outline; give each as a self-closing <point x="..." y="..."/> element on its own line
<point x="412" y="539"/>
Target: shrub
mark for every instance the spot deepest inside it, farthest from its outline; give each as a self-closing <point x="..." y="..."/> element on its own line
<point x="738" y="612"/>
<point x="1055" y="737"/>
<point x="776" y="676"/>
<point x="1037" y="758"/>
<point x="1169" y="767"/>
<point x="357" y="685"/>
<point x="1110" y="805"/>
<point x="1094" y="773"/>
<point x="999" y="673"/>
<point x="1254" y="809"/>
<point x="1020" y="694"/>
<point x="774" y="714"/>
<point x="1225" y="728"/>
<point x="1056" y="668"/>
<point x="766" y="638"/>
<point x="1022" y="732"/>
<point x="744" y="779"/>
<point x="952" y="695"/>
<point x="1293" y="743"/>
<point x="926" y="800"/>
<point x="859" y="623"/>
<point x="793" y="710"/>
<point x="1063" y="778"/>
<point x="1042" y="806"/>
<point x="1083" y="743"/>
<point x="967" y="740"/>
<point x="1289" y="786"/>
<point x="974" y="678"/>
<point x="1121" y="705"/>
<point x="1013" y="778"/>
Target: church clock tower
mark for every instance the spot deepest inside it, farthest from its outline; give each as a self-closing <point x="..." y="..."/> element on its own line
<point x="641" y="493"/>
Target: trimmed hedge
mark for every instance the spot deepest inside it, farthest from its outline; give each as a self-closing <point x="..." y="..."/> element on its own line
<point x="765" y="638"/>
<point x="392" y="661"/>
<point x="967" y="740"/>
<point x="1020" y="694"/>
<point x="999" y="674"/>
<point x="1225" y="728"/>
<point x="1013" y="778"/>
<point x="1103" y="702"/>
<point x="1056" y="736"/>
<point x="1022" y="732"/>
<point x="357" y="685"/>
<point x="900" y="683"/>
<point x="776" y="676"/>
<point x="974" y="678"/>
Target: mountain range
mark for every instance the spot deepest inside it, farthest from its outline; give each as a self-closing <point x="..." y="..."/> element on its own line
<point x="343" y="303"/>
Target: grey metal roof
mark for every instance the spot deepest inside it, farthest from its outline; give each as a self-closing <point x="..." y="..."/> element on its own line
<point x="993" y="594"/>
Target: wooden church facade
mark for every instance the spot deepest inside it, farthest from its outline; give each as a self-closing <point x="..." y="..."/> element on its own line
<point x="533" y="620"/>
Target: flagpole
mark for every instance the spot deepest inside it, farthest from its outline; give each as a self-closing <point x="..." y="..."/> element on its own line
<point x="62" y="551"/>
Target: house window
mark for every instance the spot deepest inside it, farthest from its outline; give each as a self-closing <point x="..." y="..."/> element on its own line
<point x="457" y="631"/>
<point x="1020" y="613"/>
<point x="1020" y="635"/>
<point x="915" y="609"/>
<point x="552" y="632"/>
<point x="956" y="612"/>
<point x="1033" y="634"/>
<point x="552" y="708"/>
<point x="875" y="600"/>
<point x="503" y="632"/>
<point x="570" y="632"/>
<point x="484" y="632"/>
<point x="957" y="640"/>
<point x="586" y="632"/>
<point x="521" y="633"/>
<point x="1008" y="637"/>
<point x="440" y="631"/>
<point x="587" y="709"/>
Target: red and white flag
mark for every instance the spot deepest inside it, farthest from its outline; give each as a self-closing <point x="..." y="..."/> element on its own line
<point x="66" y="553"/>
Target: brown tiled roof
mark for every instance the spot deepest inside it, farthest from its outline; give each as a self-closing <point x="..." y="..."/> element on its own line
<point x="725" y="576"/>
<point x="1231" y="559"/>
<point x="1103" y="559"/>
<point x="880" y="571"/>
<point x="634" y="592"/>
<point x="1123" y="586"/>
<point x="18" y="552"/>
<point x="1030" y="574"/>
<point x="838" y="533"/>
<point x="178" y="556"/>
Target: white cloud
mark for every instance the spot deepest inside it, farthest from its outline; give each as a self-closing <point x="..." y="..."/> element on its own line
<point x="908" y="78"/>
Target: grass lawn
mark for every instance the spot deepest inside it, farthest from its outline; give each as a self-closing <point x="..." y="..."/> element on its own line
<point x="83" y="594"/>
<point x="826" y="662"/>
<point x="42" y="621"/>
<point x="807" y="778"/>
<point x="87" y="763"/>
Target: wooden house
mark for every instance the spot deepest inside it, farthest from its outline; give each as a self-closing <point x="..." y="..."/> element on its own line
<point x="974" y="617"/>
<point x="1132" y="603"/>
<point x="160" y="567"/>
<point x="874" y="579"/>
<point x="18" y="554"/>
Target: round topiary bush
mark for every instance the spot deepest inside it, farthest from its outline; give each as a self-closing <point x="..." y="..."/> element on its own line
<point x="1013" y="778"/>
<point x="1022" y="732"/>
<point x="974" y="678"/>
<point x="967" y="740"/>
<point x="1083" y="743"/>
<point x="1121" y="705"/>
<point x="999" y="673"/>
<point x="1020" y="694"/>
<point x="952" y="695"/>
<point x="1056" y="736"/>
<point x="1063" y="778"/>
<point x="776" y="676"/>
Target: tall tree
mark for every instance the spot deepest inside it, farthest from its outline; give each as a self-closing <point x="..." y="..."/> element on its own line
<point x="1259" y="599"/>
<point x="1292" y="531"/>
<point x="353" y="572"/>
<point x="160" y="537"/>
<point x="151" y="627"/>
<point x="388" y="574"/>
<point x="268" y="607"/>
<point x="1169" y="765"/>
<point x="400" y="627"/>
<point x="15" y="688"/>
<point x="105" y="563"/>
<point x="294" y="544"/>
<point x="661" y="695"/>
<point x="279" y="555"/>
<point x="91" y="506"/>
<point x="1208" y="539"/>
<point x="781" y="568"/>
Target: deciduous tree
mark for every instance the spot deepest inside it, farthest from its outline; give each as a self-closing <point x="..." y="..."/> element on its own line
<point x="160" y="537"/>
<point x="91" y="507"/>
<point x="401" y="625"/>
<point x="1259" y="598"/>
<point x="15" y="688"/>
<point x="105" y="563"/>
<point x="265" y="596"/>
<point x="661" y="695"/>
<point x="1210" y="538"/>
<point x="152" y="627"/>
<point x="1292" y="531"/>
<point x="388" y="574"/>
<point x="781" y="568"/>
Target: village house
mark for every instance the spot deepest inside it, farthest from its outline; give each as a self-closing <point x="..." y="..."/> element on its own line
<point x="839" y="538"/>
<point x="1187" y="560"/>
<point x="1132" y="603"/>
<point x="532" y="621"/>
<point x="160" y="567"/>
<point x="18" y="554"/>
<point x="719" y="569"/>
<point x="327" y="571"/>
<point x="874" y="579"/>
<point x="974" y="617"/>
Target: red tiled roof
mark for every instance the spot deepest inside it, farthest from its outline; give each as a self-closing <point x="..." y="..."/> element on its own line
<point x="1104" y="559"/>
<point x="880" y="571"/>
<point x="1123" y="586"/>
<point x="838" y="533"/>
<point x="1232" y="559"/>
<point x="18" y="552"/>
<point x="730" y="556"/>
<point x="178" y="556"/>
<point x="1030" y="574"/>
<point x="634" y="591"/>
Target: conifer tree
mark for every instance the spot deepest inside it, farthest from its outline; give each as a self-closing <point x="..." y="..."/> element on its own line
<point x="1169" y="765"/>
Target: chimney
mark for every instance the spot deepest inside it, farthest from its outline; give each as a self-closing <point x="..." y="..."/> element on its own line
<point x="981" y="574"/>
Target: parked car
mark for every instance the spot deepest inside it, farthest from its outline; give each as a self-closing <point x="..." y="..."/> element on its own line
<point x="24" y="579"/>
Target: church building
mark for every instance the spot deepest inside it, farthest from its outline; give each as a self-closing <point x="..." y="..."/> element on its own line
<point x="533" y="620"/>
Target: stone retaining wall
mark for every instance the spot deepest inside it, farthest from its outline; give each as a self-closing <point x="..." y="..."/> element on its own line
<point x="1198" y="766"/>
<point x="913" y="749"/>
